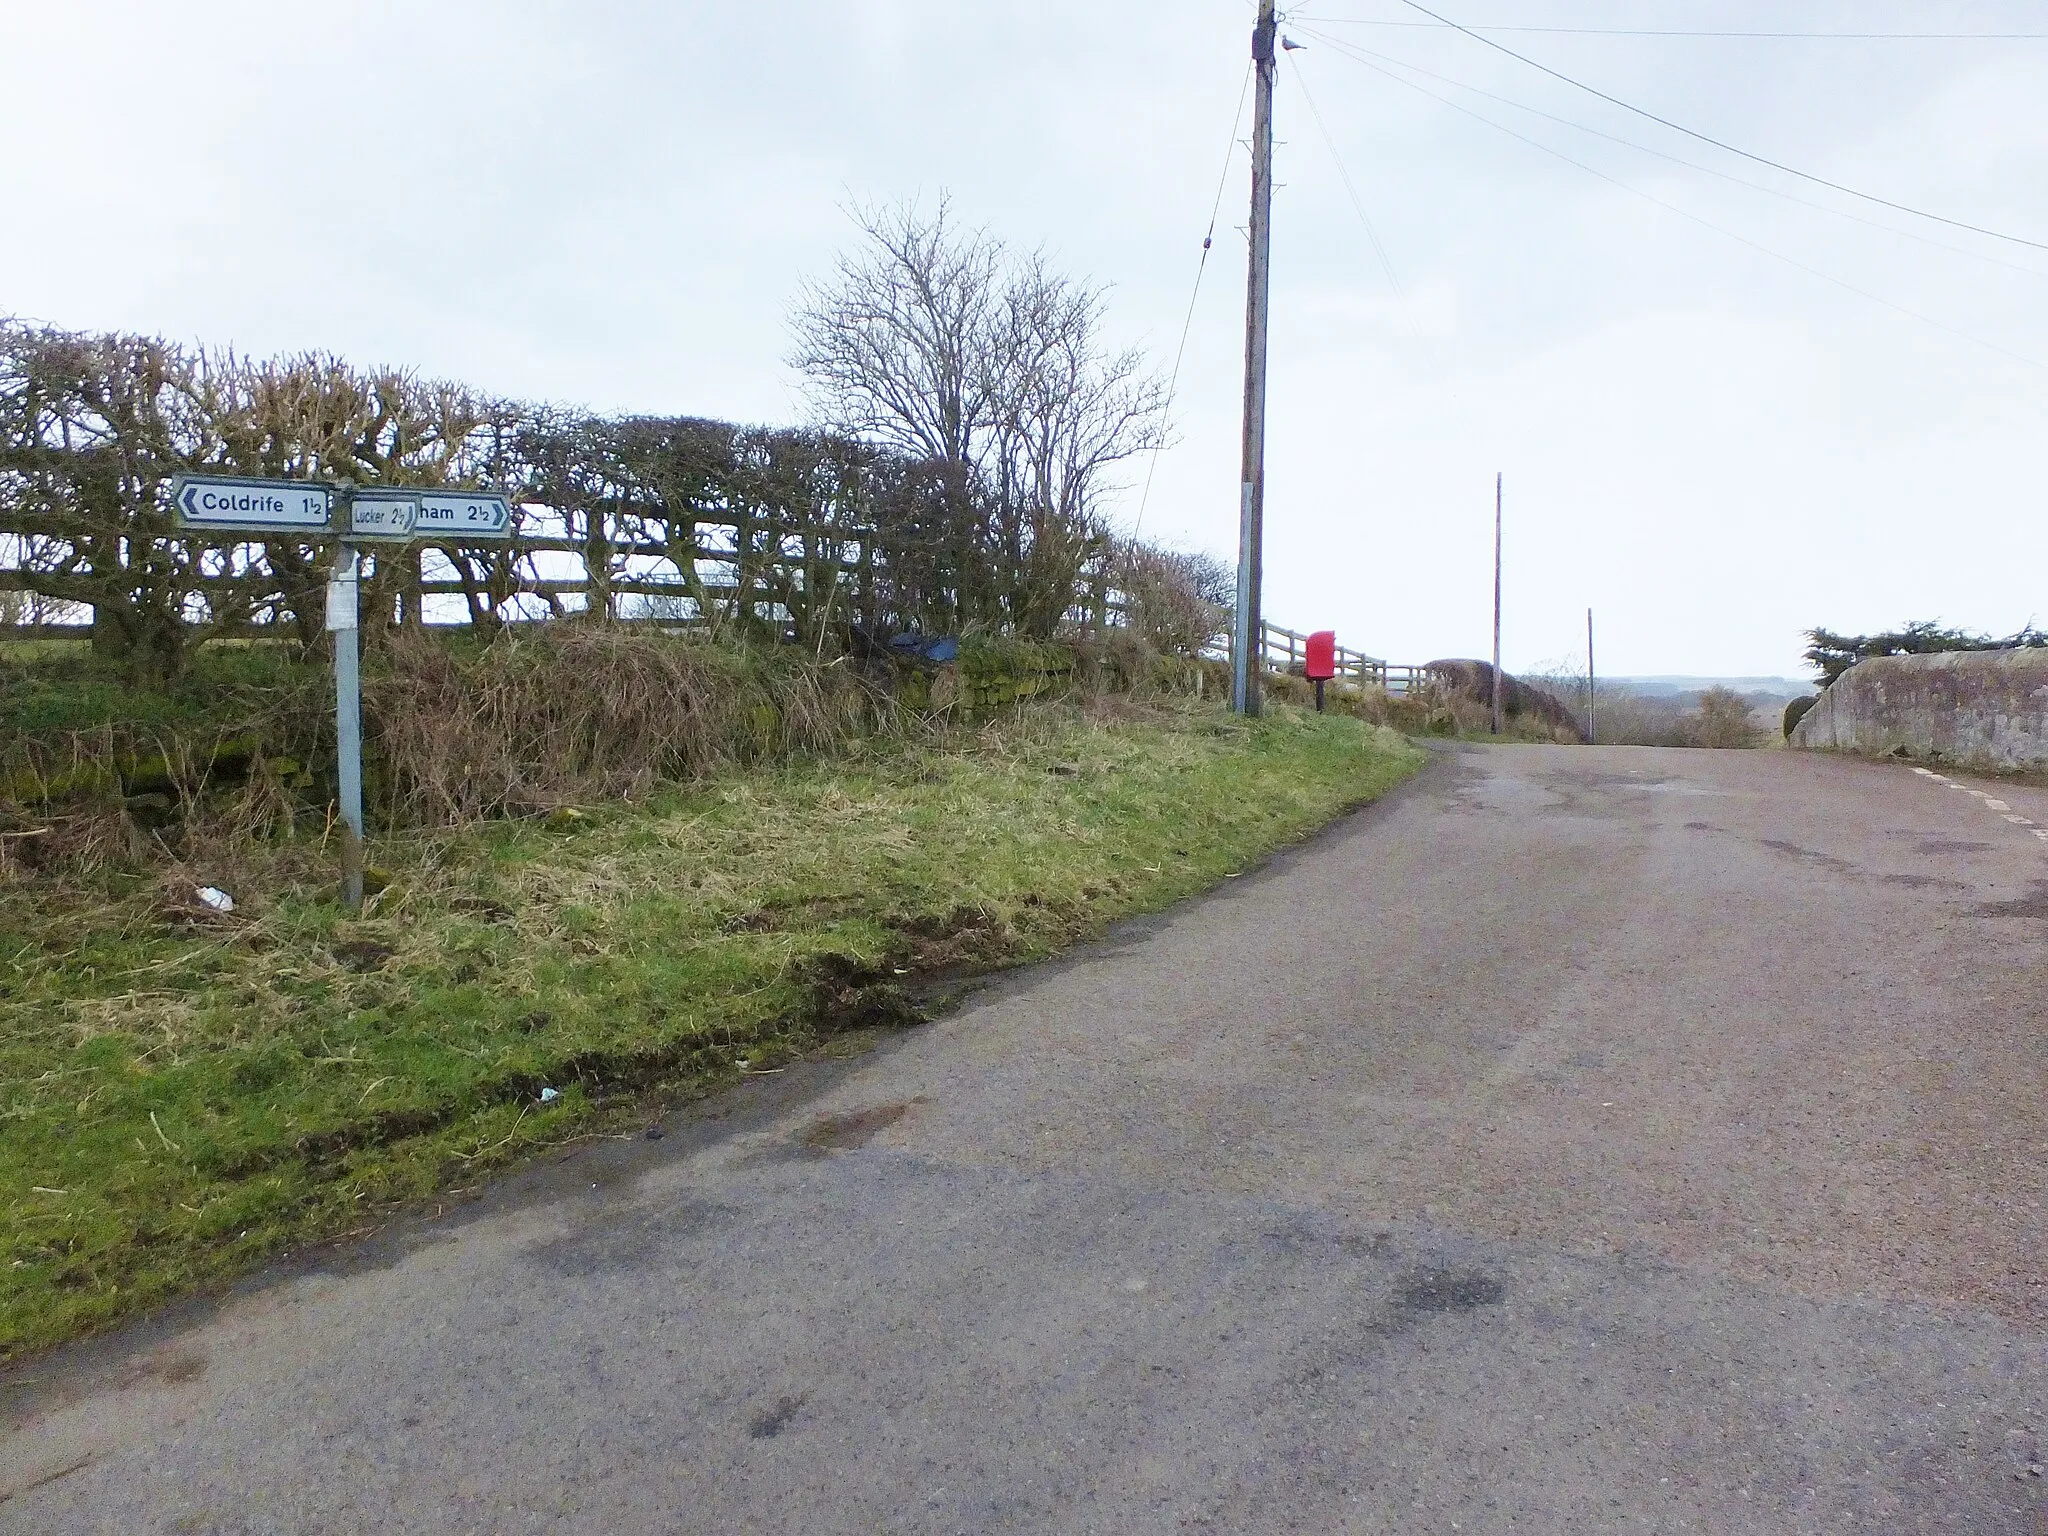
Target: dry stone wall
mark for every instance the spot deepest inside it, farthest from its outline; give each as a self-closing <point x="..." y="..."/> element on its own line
<point x="1983" y="708"/>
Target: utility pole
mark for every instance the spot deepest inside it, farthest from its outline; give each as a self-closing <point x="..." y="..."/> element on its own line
<point x="1247" y="658"/>
<point x="1496" y="604"/>
<point x="1591" y="735"/>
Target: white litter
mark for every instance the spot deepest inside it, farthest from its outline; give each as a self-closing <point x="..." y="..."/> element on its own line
<point x="549" y="1095"/>
<point x="215" y="898"/>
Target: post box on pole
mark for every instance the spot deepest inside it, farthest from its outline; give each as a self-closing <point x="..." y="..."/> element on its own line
<point x="1319" y="661"/>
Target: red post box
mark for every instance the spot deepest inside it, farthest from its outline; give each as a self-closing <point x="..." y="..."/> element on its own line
<point x="1319" y="662"/>
<point x="1322" y="656"/>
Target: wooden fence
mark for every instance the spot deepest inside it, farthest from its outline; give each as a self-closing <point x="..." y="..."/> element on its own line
<point x="720" y="572"/>
<point x="1285" y="650"/>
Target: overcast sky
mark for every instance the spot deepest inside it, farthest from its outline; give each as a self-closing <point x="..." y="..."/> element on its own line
<point x="613" y="204"/>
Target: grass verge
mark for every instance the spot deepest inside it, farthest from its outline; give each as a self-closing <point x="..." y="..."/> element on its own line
<point x="183" y="1095"/>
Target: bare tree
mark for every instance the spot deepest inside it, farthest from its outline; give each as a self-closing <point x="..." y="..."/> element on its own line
<point x="896" y="346"/>
<point x="991" y="370"/>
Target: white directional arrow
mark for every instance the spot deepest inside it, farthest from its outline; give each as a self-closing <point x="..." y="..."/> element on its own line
<point x="461" y="515"/>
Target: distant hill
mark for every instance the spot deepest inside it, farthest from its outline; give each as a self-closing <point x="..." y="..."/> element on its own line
<point x="1692" y="687"/>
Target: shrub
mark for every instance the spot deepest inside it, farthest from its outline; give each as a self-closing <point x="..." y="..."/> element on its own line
<point x="1722" y="720"/>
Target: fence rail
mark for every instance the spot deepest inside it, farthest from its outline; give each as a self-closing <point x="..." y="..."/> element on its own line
<point x="1283" y="651"/>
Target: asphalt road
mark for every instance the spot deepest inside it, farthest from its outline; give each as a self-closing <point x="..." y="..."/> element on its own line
<point x="1581" y="1140"/>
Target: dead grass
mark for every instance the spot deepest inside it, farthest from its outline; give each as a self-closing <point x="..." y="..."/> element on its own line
<point x="567" y="714"/>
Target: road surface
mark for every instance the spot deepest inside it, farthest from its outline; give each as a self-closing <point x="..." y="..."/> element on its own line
<point x="1580" y="1140"/>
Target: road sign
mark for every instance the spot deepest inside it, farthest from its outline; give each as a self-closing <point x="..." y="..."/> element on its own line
<point x="382" y="514"/>
<point x="252" y="506"/>
<point x="462" y="515"/>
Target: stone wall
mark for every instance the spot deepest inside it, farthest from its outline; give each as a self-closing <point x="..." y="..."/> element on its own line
<point x="1987" y="708"/>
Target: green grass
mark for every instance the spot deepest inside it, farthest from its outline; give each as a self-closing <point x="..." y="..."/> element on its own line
<point x="181" y="1099"/>
<point x="56" y="686"/>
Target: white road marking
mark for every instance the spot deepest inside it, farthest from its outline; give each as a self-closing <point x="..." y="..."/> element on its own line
<point x="1989" y="801"/>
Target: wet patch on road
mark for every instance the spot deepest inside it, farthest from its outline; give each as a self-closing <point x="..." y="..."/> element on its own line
<point x="628" y="1240"/>
<point x="1449" y="1290"/>
<point x="1437" y="1290"/>
<point x="772" y="1421"/>
<point x="1810" y="856"/>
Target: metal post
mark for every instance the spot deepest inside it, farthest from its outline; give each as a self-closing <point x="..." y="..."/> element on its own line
<point x="1496" y="604"/>
<point x="1592" y="736"/>
<point x="1247" y="654"/>
<point x="342" y="619"/>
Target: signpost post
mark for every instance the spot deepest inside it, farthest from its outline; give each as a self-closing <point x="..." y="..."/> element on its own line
<point x="344" y="613"/>
<point x="374" y="515"/>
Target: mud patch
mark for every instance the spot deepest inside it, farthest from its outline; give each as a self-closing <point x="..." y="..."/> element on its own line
<point x="174" y="1367"/>
<point x="849" y="994"/>
<point x="1810" y="856"/>
<point x="789" y="916"/>
<point x="858" y="1127"/>
<point x="181" y="1368"/>
<point x="963" y="937"/>
<point x="2033" y="904"/>
<point x="362" y="954"/>
<point x="1923" y="882"/>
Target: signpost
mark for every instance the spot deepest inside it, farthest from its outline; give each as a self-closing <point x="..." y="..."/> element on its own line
<point x="268" y="506"/>
<point x="374" y="515"/>
<point x="463" y="515"/>
<point x="383" y="514"/>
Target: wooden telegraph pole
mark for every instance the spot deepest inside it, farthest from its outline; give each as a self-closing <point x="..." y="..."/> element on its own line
<point x="1496" y="604"/>
<point x="1247" y="635"/>
<point x="1592" y="735"/>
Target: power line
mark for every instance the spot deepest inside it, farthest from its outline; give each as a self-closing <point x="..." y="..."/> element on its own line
<point x="1202" y="266"/>
<point x="1826" y="277"/>
<point x="1776" y="165"/>
<point x="1352" y="50"/>
<point x="1860" y="37"/>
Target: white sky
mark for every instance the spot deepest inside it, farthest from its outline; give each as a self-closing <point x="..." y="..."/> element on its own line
<point x="613" y="204"/>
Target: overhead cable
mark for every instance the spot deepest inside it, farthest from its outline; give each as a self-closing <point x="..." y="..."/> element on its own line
<point x="1721" y="144"/>
<point x="1684" y="213"/>
<point x="1352" y="50"/>
<point x="1699" y="32"/>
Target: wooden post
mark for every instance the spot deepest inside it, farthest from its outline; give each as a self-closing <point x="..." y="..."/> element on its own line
<point x="1592" y="735"/>
<point x="1249" y="657"/>
<point x="1496" y="604"/>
